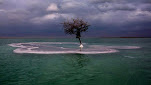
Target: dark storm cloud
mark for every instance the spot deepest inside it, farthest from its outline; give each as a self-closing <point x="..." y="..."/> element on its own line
<point x="147" y="1"/>
<point x="146" y="7"/>
<point x="43" y="17"/>
<point x="103" y="7"/>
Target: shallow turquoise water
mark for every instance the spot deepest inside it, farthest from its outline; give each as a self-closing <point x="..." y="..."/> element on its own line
<point x="127" y="67"/>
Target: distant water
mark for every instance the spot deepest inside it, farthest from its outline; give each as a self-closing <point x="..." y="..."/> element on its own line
<point x="102" y="61"/>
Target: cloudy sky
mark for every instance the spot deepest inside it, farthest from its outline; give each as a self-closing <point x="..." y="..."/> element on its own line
<point x="108" y="18"/>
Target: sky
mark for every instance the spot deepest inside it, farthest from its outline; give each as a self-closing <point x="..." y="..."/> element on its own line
<point x="42" y="18"/>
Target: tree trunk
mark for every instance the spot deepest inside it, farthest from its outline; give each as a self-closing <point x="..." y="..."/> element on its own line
<point x="80" y="41"/>
<point x="80" y="44"/>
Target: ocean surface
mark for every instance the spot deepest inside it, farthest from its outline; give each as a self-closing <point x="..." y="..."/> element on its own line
<point x="102" y="61"/>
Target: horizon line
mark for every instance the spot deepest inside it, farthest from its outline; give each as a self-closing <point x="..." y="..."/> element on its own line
<point x="66" y="37"/>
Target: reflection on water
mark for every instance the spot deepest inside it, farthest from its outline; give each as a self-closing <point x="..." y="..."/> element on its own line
<point x="77" y="60"/>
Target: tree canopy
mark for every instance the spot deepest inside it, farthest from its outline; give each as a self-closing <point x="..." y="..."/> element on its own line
<point x="75" y="26"/>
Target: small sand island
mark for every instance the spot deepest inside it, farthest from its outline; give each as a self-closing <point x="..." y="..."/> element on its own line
<point x="65" y="48"/>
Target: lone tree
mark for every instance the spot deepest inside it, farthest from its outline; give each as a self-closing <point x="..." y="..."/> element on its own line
<point x="75" y="26"/>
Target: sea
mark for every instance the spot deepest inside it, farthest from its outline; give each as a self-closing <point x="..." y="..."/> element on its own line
<point x="60" y="61"/>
